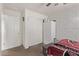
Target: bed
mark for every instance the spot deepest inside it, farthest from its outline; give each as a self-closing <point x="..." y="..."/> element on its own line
<point x="64" y="47"/>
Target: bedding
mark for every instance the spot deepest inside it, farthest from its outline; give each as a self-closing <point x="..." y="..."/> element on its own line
<point x="59" y="48"/>
<point x="55" y="51"/>
<point x="69" y="43"/>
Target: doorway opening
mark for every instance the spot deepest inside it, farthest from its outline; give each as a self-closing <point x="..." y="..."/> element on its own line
<point x="49" y="31"/>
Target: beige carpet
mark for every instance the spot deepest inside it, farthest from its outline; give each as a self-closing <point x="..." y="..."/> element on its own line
<point x="20" y="51"/>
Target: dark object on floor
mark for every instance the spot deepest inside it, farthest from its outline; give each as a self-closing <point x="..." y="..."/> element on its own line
<point x="66" y="53"/>
<point x="44" y="51"/>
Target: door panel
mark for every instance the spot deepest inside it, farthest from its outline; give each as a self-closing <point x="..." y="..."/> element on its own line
<point x="11" y="32"/>
<point x="34" y="30"/>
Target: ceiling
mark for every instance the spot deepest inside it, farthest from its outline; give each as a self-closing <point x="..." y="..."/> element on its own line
<point x="40" y="7"/>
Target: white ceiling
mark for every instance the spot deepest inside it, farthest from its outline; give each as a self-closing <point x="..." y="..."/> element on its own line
<point x="40" y="7"/>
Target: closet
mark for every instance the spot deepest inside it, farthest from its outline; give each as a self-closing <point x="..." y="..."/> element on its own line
<point x="11" y="36"/>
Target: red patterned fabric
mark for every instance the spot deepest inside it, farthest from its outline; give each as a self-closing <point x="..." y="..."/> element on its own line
<point x="59" y="48"/>
<point x="69" y="43"/>
<point x="54" y="51"/>
<point x="72" y="53"/>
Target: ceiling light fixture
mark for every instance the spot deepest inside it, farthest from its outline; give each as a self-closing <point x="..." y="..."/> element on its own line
<point x="48" y="4"/>
<point x="64" y="3"/>
<point x="56" y="4"/>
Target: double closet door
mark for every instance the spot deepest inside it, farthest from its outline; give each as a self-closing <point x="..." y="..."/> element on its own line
<point x="10" y="31"/>
<point x="33" y="31"/>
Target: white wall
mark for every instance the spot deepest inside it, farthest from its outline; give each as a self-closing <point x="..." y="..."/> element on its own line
<point x="11" y="34"/>
<point x="33" y="28"/>
<point x="53" y="31"/>
<point x="67" y="24"/>
<point x="0" y="23"/>
<point x="23" y="27"/>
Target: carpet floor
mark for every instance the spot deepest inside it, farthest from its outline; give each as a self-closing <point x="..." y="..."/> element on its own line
<point x="20" y="51"/>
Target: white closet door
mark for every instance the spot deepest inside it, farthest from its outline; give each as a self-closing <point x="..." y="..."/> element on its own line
<point x="34" y="31"/>
<point x="11" y="32"/>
